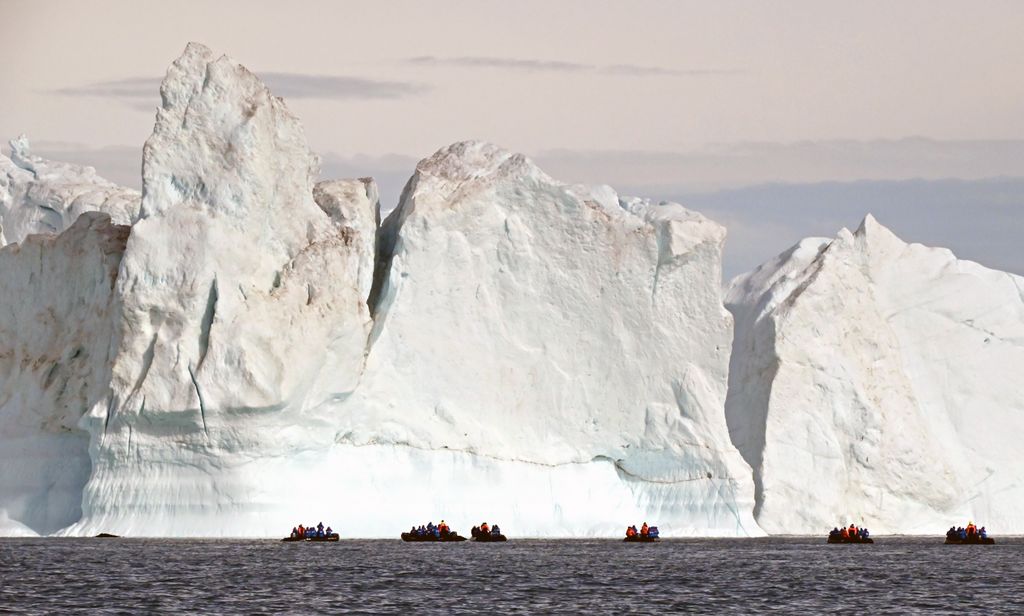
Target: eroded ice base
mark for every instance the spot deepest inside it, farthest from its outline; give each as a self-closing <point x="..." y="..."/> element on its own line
<point x="379" y="491"/>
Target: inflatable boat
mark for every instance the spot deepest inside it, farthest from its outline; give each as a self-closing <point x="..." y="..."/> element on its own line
<point x="449" y="536"/>
<point x="850" y="540"/>
<point x="640" y="539"/>
<point x="331" y="537"/>
<point x="486" y="537"/>
<point x="975" y="540"/>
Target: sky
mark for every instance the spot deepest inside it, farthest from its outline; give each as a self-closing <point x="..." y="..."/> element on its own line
<point x="778" y="119"/>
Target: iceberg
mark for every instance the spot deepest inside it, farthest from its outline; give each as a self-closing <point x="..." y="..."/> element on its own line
<point x="264" y="350"/>
<point x="875" y="381"/>
<point x="242" y="347"/>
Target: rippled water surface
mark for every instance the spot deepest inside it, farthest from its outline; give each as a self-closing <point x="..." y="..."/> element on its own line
<point x="895" y="575"/>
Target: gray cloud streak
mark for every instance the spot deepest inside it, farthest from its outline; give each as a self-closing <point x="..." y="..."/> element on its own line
<point x="137" y="91"/>
<point x="524" y="64"/>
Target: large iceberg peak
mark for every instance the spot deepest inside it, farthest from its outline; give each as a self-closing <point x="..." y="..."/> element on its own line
<point x="222" y="141"/>
<point x="863" y="369"/>
<point x="243" y="299"/>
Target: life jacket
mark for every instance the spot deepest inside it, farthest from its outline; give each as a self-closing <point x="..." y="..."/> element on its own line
<point x="643" y="529"/>
<point x="630" y="532"/>
<point x="844" y="533"/>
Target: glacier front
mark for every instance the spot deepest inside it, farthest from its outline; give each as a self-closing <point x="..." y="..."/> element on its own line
<point x="503" y="346"/>
<point x="242" y="347"/>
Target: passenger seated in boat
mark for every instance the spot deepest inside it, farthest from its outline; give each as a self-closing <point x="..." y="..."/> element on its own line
<point x="844" y="533"/>
<point x="320" y="529"/>
<point x="631" y="531"/>
<point x="442" y="528"/>
<point x="863" y="532"/>
<point x="951" y="533"/>
<point x="983" y="533"/>
<point x="329" y="532"/>
<point x="495" y="530"/>
<point x="644" y="530"/>
<point x="852" y="532"/>
<point x="961" y="532"/>
<point x="485" y="528"/>
<point x="652" y="532"/>
<point x="295" y="533"/>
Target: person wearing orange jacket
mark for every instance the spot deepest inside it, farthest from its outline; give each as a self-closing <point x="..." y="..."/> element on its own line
<point x="644" y="529"/>
<point x="484" y="528"/>
<point x="630" y="531"/>
<point x="844" y="533"/>
<point x="853" y="532"/>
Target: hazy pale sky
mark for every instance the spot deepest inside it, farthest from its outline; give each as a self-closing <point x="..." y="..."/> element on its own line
<point x="674" y="97"/>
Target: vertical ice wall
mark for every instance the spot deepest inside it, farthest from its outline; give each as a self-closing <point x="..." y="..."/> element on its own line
<point x="242" y="306"/>
<point x="535" y="324"/>
<point x="56" y="337"/>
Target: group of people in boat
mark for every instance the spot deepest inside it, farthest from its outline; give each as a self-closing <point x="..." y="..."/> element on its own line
<point x="438" y="531"/>
<point x="309" y="532"/>
<point x="853" y="533"/>
<point x="970" y="533"/>
<point x="486" y="529"/>
<point x="645" y="531"/>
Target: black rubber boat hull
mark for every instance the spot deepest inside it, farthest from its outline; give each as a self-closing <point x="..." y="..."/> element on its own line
<point x="640" y="539"/>
<point x="489" y="538"/>
<point x="841" y="540"/>
<point x="329" y="538"/>
<point x="450" y="537"/>
<point x="978" y="541"/>
<point x="486" y="537"/>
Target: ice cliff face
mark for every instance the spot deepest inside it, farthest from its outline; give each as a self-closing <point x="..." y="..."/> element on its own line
<point x="875" y="381"/>
<point x="58" y="304"/>
<point x="41" y="196"/>
<point x="258" y="349"/>
<point x="554" y="340"/>
<point x="242" y="305"/>
<point x="550" y="356"/>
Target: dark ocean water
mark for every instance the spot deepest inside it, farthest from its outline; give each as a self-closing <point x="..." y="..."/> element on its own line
<point x="806" y="576"/>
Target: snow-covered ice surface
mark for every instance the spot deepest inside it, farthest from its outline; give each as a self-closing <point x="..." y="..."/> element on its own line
<point x="41" y="196"/>
<point x="877" y="381"/>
